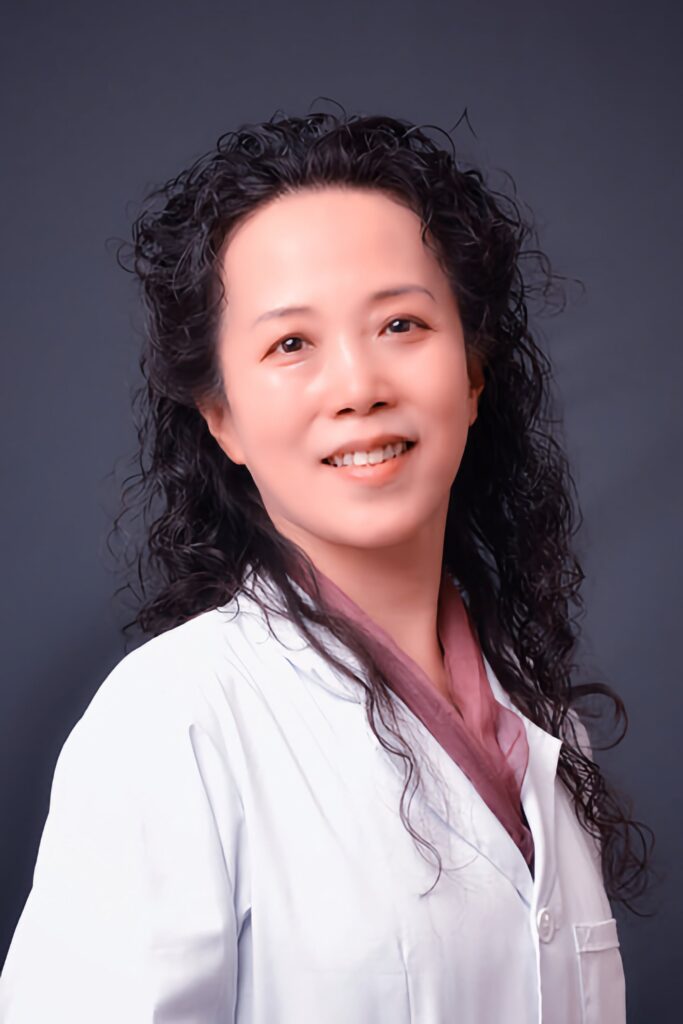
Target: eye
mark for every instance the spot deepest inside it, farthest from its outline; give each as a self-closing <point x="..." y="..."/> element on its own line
<point x="297" y="338"/>
<point x="283" y="341"/>
<point x="406" y="320"/>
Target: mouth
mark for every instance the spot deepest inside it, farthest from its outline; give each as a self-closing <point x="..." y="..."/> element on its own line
<point x="363" y="461"/>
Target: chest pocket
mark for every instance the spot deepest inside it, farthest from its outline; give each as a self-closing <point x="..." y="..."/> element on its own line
<point x="601" y="973"/>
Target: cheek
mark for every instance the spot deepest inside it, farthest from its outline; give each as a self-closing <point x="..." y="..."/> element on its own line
<point x="269" y="419"/>
<point x="448" y="405"/>
<point x="448" y="423"/>
<point x="274" y="455"/>
<point x="441" y="379"/>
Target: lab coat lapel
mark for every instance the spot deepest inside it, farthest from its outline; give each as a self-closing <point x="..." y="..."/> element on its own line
<point x="538" y="792"/>
<point x="485" y="831"/>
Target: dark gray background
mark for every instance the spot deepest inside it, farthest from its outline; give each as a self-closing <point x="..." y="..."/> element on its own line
<point x="580" y="102"/>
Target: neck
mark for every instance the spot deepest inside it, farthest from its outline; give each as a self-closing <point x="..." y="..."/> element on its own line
<point x="396" y="587"/>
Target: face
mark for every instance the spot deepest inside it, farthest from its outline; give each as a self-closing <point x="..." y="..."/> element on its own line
<point x="341" y="370"/>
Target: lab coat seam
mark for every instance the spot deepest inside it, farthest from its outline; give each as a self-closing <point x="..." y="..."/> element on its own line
<point x="195" y="730"/>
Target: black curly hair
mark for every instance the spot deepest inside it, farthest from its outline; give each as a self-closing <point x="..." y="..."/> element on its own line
<point x="511" y="515"/>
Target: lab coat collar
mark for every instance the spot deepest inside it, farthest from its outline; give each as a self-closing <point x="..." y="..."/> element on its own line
<point x="487" y="833"/>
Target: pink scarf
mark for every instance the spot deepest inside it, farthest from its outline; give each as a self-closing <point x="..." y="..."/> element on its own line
<point x="487" y="740"/>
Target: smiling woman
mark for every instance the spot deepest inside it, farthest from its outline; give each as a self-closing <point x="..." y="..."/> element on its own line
<point x="352" y="384"/>
<point x="357" y="560"/>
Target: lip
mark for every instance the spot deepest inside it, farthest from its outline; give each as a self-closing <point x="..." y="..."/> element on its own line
<point x="367" y="444"/>
<point x="377" y="474"/>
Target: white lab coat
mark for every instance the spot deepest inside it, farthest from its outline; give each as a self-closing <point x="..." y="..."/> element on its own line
<point x="224" y="844"/>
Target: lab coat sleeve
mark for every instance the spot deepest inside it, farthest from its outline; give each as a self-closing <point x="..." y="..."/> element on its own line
<point x="131" y="915"/>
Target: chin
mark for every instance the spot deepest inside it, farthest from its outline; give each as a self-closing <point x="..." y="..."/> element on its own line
<point x="370" y="538"/>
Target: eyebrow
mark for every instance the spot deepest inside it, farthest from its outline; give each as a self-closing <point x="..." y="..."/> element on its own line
<point x="385" y="293"/>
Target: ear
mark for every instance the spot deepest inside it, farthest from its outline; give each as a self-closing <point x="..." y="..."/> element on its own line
<point x="219" y="420"/>
<point x="476" y="375"/>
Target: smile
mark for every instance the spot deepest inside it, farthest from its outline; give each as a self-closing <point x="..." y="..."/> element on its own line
<point x="373" y="458"/>
<point x="364" y="471"/>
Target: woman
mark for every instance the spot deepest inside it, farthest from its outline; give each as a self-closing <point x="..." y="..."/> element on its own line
<point x="363" y="569"/>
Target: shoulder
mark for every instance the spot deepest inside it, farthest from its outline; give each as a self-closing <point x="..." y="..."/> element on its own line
<point x="159" y="700"/>
<point x="573" y="730"/>
<point x="155" y="758"/>
<point x="174" y="672"/>
<point x="575" y="733"/>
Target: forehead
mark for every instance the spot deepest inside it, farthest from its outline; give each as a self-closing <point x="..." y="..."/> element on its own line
<point x="321" y="240"/>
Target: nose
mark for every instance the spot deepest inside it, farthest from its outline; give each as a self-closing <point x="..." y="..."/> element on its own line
<point x="355" y="376"/>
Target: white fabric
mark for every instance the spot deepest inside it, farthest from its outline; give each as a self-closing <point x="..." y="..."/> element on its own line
<point x="224" y="844"/>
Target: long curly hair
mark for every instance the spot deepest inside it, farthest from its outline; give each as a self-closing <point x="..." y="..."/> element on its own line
<point x="512" y="512"/>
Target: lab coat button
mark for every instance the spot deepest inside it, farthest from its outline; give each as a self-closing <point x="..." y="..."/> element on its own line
<point x="546" y="924"/>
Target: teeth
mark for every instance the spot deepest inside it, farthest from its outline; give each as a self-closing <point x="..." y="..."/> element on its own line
<point x="372" y="458"/>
